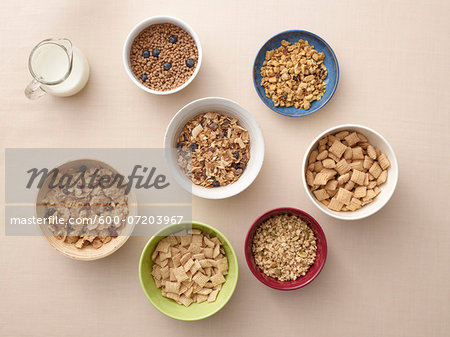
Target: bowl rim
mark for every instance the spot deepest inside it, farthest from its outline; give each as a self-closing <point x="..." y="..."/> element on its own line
<point x="147" y="23"/>
<point x="249" y="256"/>
<point x="243" y="185"/>
<point x="333" y="90"/>
<point x="124" y="238"/>
<point x="168" y="229"/>
<point x="392" y="158"/>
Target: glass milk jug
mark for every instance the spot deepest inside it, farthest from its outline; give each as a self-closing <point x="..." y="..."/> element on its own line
<point x="58" y="68"/>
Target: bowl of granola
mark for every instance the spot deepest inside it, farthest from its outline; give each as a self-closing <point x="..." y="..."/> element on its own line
<point x="214" y="148"/>
<point x="285" y="248"/>
<point x="350" y="172"/>
<point x="188" y="271"/>
<point x="295" y="73"/>
<point x="84" y="209"/>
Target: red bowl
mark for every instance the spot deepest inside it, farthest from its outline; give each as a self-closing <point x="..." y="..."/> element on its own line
<point x="313" y="271"/>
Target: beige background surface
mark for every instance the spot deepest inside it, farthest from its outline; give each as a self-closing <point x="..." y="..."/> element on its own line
<point x="388" y="275"/>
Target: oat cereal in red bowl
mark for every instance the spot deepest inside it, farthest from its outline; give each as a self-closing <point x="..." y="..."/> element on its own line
<point x="285" y="248"/>
<point x="162" y="55"/>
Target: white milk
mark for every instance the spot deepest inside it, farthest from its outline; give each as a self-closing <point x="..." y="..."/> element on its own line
<point x="52" y="64"/>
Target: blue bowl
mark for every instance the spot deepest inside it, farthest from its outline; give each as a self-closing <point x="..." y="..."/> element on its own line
<point x="330" y="62"/>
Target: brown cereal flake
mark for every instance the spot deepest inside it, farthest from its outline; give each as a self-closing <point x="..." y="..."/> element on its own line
<point x="337" y="148"/>
<point x="349" y="186"/>
<point x="343" y="167"/>
<point x="331" y="185"/>
<point x="322" y="155"/>
<point x="329" y="163"/>
<point x="343" y="179"/>
<point x="335" y="205"/>
<point x="352" y="139"/>
<point x="384" y="161"/>
<point x="358" y="177"/>
<point x="360" y="192"/>
<point x="344" y="196"/>
<point x="375" y="170"/>
<point x="321" y="194"/>
<point x="382" y="178"/>
<point x="371" y="152"/>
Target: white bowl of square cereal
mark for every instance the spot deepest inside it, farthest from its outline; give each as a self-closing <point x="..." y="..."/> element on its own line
<point x="350" y="172"/>
<point x="214" y="148"/>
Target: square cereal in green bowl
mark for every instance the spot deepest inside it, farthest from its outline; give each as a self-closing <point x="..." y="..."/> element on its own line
<point x="195" y="311"/>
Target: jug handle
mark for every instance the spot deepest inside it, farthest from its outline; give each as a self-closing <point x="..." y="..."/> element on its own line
<point x="34" y="90"/>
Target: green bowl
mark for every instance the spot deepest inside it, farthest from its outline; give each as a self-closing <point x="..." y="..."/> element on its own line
<point x="195" y="311"/>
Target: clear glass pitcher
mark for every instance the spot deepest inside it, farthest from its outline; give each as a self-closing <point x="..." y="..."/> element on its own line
<point x="58" y="68"/>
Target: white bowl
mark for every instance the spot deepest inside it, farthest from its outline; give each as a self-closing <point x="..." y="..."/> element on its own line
<point x="387" y="189"/>
<point x="154" y="21"/>
<point x="231" y="109"/>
